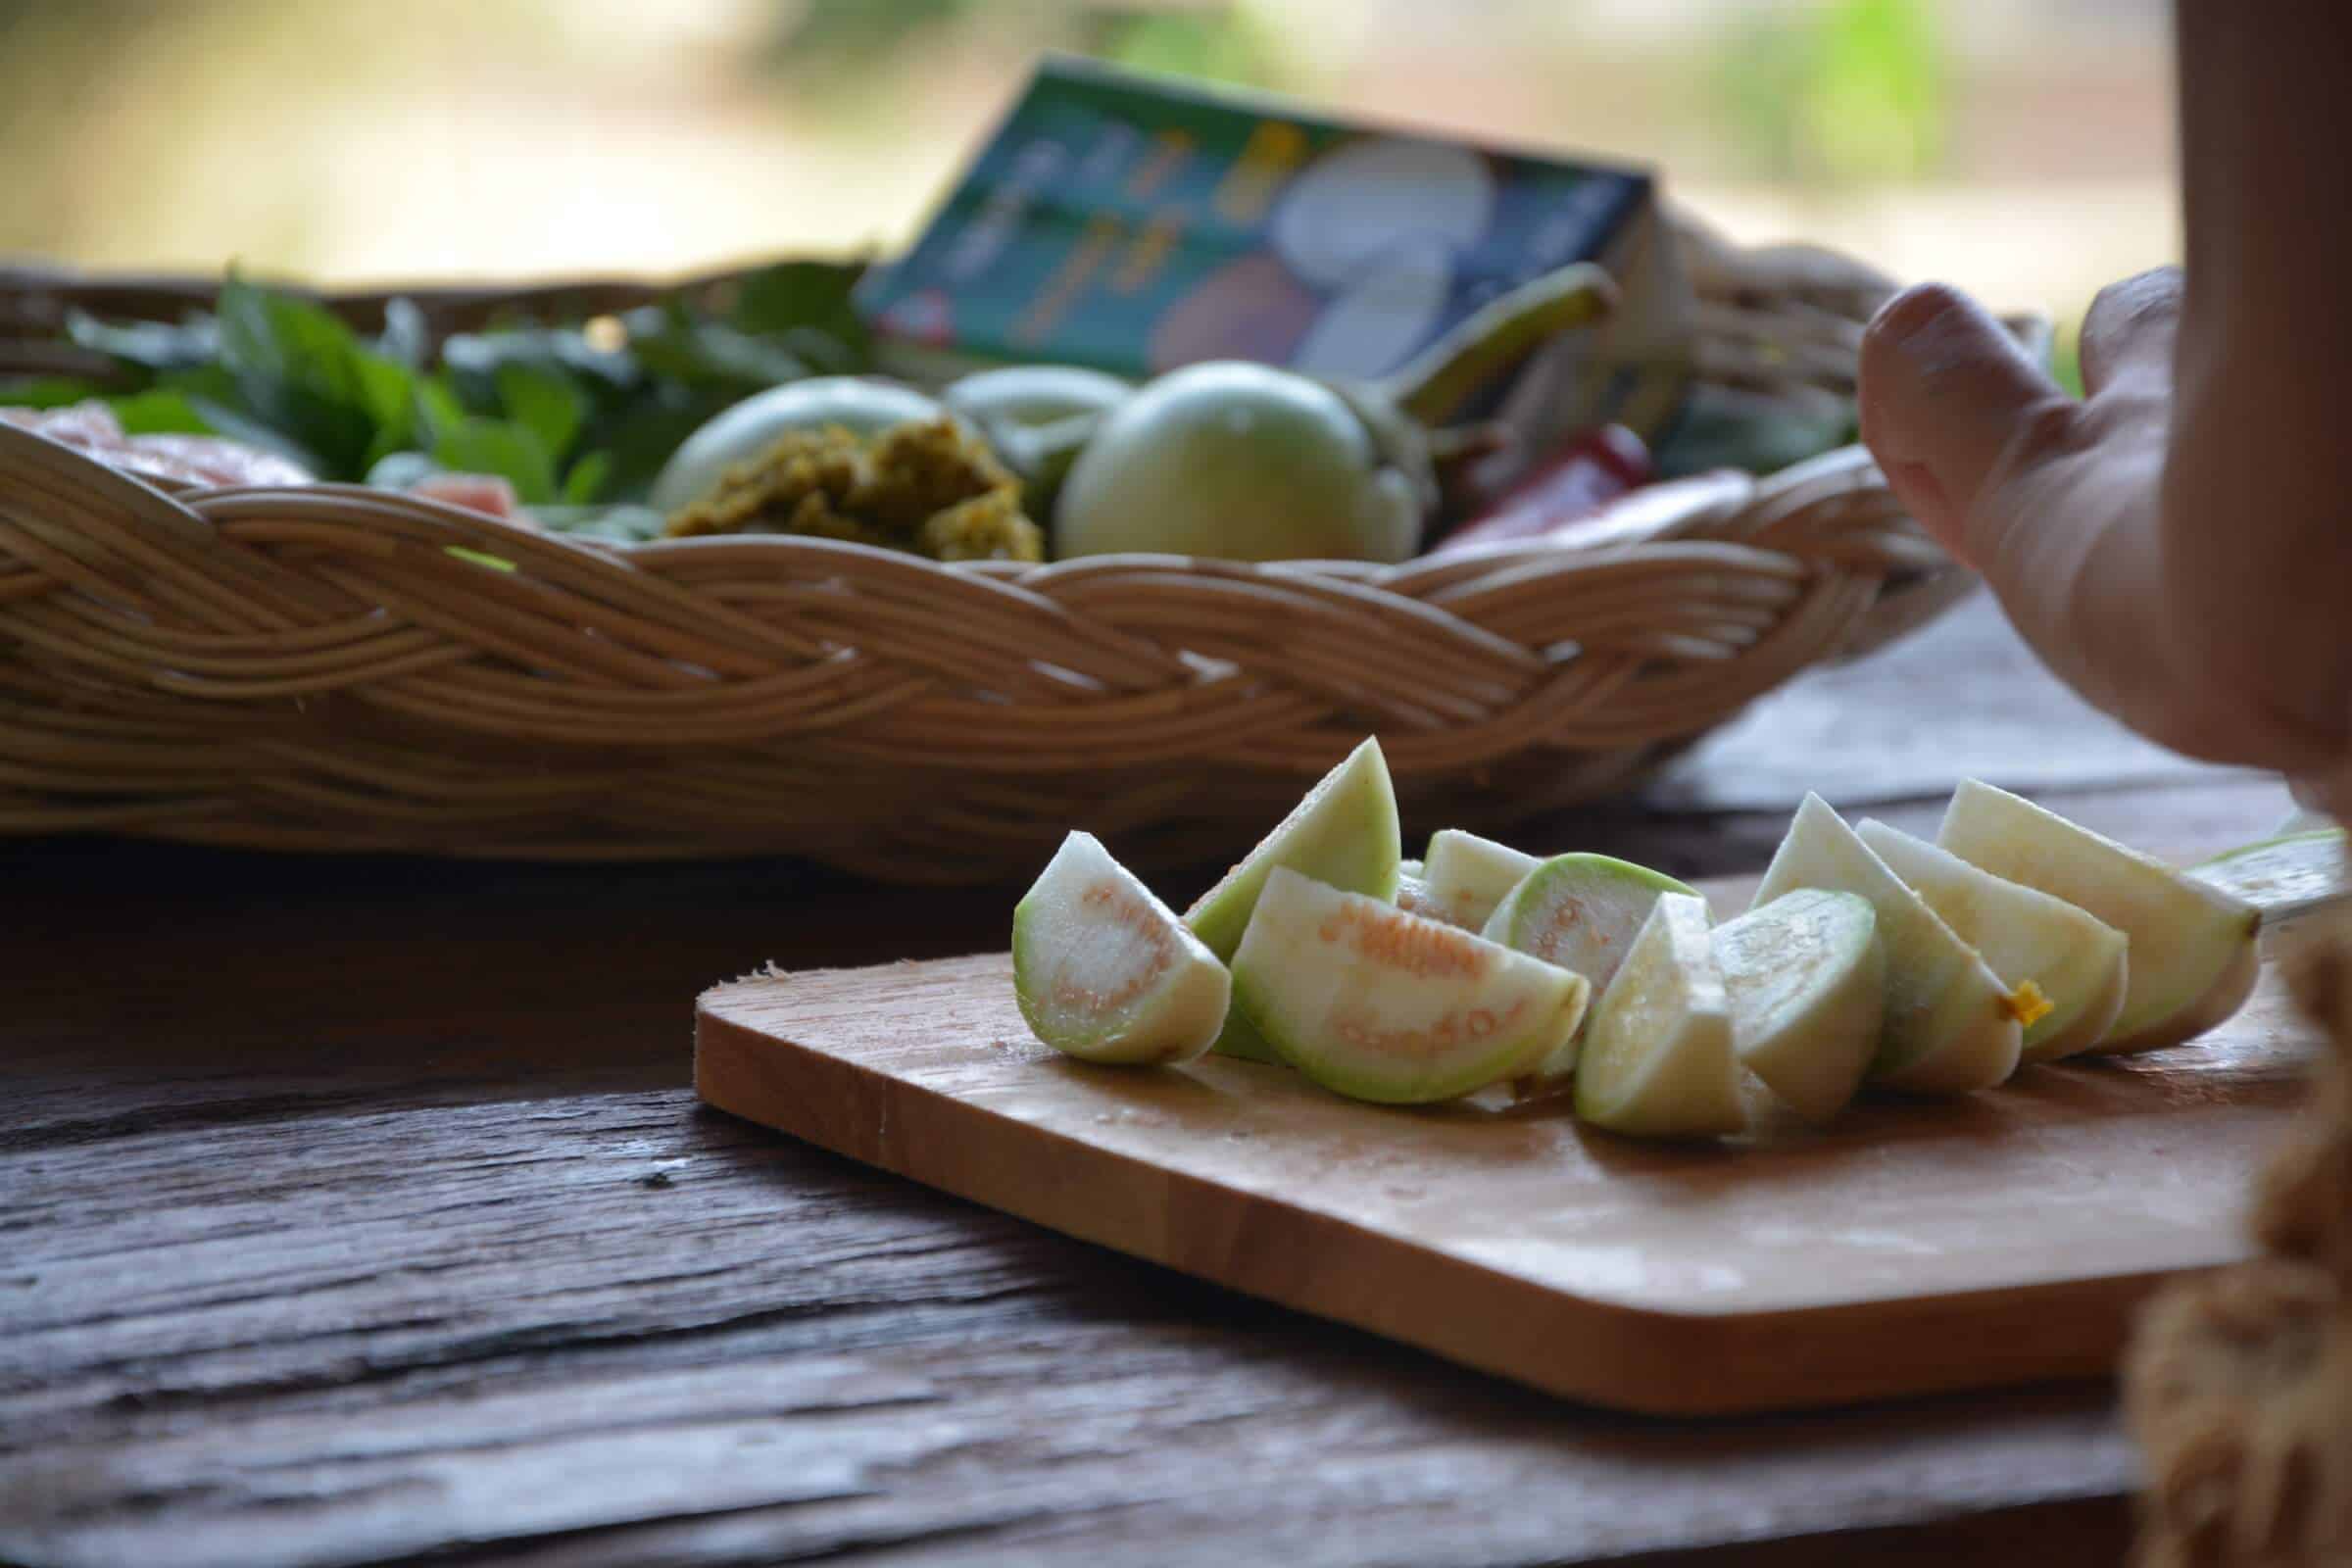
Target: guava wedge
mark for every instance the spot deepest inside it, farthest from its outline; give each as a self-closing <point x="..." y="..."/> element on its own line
<point x="1378" y="1004"/>
<point x="1105" y="971"/>
<point x="1806" y="975"/>
<point x="1950" y="1025"/>
<point x="1580" y="911"/>
<point x="1658" y="1058"/>
<point x="2284" y="878"/>
<point x="1468" y="876"/>
<point x="2194" y="954"/>
<point x="2079" y="962"/>
<point x="1342" y="833"/>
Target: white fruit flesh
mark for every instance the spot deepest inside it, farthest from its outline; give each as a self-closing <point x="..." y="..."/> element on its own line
<point x="1657" y="1059"/>
<point x="2079" y="963"/>
<point x="1413" y="895"/>
<point x="2193" y="956"/>
<point x="1806" y="975"/>
<point x="1342" y="833"/>
<point x="1468" y="876"/>
<point x="1950" y="1025"/>
<point x="1383" y="1006"/>
<point x="1580" y="911"/>
<point x="1105" y="971"/>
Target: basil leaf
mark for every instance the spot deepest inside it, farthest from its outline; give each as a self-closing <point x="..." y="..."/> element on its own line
<point x="481" y="445"/>
<point x="587" y="479"/>
<point x="544" y="401"/>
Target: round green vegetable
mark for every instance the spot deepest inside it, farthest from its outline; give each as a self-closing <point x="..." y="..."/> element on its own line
<point x="861" y="406"/>
<point x="1028" y="396"/>
<point x="1249" y="463"/>
<point x="1241" y="462"/>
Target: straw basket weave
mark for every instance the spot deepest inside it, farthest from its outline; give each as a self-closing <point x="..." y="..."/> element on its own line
<point x="311" y="669"/>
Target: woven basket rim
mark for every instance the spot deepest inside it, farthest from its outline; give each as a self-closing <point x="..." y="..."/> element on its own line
<point x="309" y="668"/>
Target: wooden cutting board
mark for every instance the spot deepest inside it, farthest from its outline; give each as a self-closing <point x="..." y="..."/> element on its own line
<point x="1913" y="1246"/>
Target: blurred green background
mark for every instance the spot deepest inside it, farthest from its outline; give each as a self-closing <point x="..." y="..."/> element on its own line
<point x="2021" y="148"/>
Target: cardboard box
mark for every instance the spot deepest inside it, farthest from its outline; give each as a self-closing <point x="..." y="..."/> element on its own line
<point x="1135" y="225"/>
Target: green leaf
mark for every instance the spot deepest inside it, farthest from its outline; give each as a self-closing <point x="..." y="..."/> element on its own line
<point x="587" y="479"/>
<point x="641" y="439"/>
<point x="545" y="401"/>
<point x="711" y="353"/>
<point x="437" y="407"/>
<point x="300" y="371"/>
<point x="50" y="391"/>
<point x="160" y="410"/>
<point x="803" y="296"/>
<point x="153" y="346"/>
<point x="479" y="558"/>
<point x="480" y="445"/>
<point x="237" y="425"/>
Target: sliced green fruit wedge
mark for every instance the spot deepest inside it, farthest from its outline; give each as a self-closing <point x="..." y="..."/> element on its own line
<point x="1806" y="975"/>
<point x="1468" y="876"/>
<point x="2194" y="954"/>
<point x="2079" y="962"/>
<point x="1657" y="1059"/>
<point x="1105" y="971"/>
<point x="1580" y="911"/>
<point x="1342" y="833"/>
<point x="2285" y="878"/>
<point x="1383" y="1006"/>
<point x="1951" y="1024"/>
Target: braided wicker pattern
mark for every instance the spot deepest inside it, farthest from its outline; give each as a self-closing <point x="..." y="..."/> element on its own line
<point x="313" y="670"/>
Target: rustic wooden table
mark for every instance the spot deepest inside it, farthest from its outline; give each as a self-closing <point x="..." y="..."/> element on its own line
<point x="356" y="1211"/>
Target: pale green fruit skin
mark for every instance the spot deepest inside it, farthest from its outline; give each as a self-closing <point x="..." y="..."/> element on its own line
<point x="2079" y="963"/>
<point x="2284" y="877"/>
<point x="1032" y="395"/>
<point x="743" y="430"/>
<point x="1657" y="1056"/>
<point x="2193" y="956"/>
<point x="1580" y="911"/>
<point x="1468" y="876"/>
<point x="1342" y="833"/>
<point x="1950" y="1025"/>
<point x="1089" y="928"/>
<point x="1806" y="975"/>
<point x="1238" y="462"/>
<point x="1327" y="977"/>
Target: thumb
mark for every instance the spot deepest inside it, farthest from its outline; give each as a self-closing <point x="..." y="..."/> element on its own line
<point x="1948" y="402"/>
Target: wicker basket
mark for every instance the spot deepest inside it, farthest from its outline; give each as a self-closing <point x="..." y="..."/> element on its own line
<point x="310" y="668"/>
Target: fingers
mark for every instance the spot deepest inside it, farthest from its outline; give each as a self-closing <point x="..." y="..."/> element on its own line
<point x="2129" y="332"/>
<point x="1945" y="394"/>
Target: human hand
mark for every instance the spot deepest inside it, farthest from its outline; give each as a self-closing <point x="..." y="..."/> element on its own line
<point x="2118" y="532"/>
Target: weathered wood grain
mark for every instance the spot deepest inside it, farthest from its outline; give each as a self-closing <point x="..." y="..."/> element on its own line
<point x="358" y="1211"/>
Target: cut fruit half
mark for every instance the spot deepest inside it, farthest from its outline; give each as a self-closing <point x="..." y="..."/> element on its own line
<point x="1468" y="876"/>
<point x="1383" y="1006"/>
<point x="1105" y="971"/>
<point x="1342" y="834"/>
<point x="2194" y="954"/>
<point x="1580" y="911"/>
<point x="1806" y="975"/>
<point x="2077" y="962"/>
<point x="1657" y="1059"/>
<point x="1950" y="1025"/>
